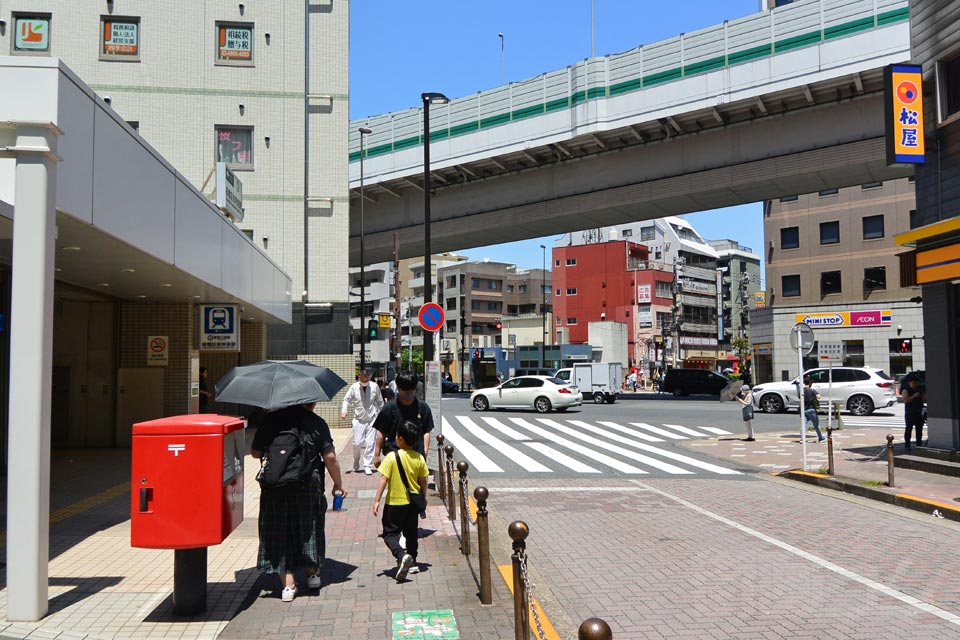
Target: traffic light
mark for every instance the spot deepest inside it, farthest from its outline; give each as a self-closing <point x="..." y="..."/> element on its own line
<point x="499" y="326"/>
<point x="373" y="328"/>
<point x="476" y="354"/>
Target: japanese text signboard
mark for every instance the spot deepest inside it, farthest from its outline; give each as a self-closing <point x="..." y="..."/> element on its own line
<point x="903" y="101"/>
<point x="235" y="43"/>
<point x="121" y="38"/>
<point x="219" y="327"/>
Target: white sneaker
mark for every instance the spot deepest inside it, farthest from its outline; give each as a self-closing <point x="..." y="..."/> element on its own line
<point x="368" y="471"/>
<point x="404" y="568"/>
<point x="313" y="581"/>
<point x="414" y="569"/>
<point x="289" y="593"/>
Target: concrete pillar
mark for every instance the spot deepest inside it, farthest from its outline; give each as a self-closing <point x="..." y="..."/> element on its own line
<point x="31" y="357"/>
<point x="941" y="329"/>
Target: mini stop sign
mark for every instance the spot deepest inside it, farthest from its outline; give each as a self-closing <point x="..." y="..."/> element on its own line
<point x="431" y="316"/>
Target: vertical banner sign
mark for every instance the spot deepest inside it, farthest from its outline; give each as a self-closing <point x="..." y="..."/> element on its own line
<point x="643" y="294"/>
<point x="719" y="305"/>
<point x="219" y="327"/>
<point x="903" y="103"/>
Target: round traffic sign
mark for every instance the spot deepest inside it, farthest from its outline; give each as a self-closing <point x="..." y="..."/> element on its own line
<point x="431" y="316"/>
<point x="801" y="337"/>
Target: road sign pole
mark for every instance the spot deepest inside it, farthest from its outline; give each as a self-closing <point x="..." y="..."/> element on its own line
<point x="830" y="396"/>
<point x="803" y="413"/>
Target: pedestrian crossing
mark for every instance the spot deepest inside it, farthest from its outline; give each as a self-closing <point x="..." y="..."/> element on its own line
<point x="889" y="418"/>
<point x="543" y="446"/>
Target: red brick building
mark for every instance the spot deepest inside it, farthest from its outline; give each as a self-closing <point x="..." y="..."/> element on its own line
<point x="614" y="282"/>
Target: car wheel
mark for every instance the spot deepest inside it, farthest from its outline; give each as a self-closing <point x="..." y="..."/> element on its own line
<point x="598" y="398"/>
<point x="771" y="403"/>
<point x="542" y="405"/>
<point x="860" y="405"/>
<point x="480" y="403"/>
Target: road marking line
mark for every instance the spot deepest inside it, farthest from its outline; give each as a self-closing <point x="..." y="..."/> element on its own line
<point x="630" y="432"/>
<point x="687" y="430"/>
<point x="659" y="431"/>
<point x="549" y="633"/>
<point x="520" y="458"/>
<point x="821" y="562"/>
<point x="505" y="430"/>
<point x="477" y="460"/>
<point x="637" y="457"/>
<point x="719" y="432"/>
<point x="602" y="458"/>
<point x="561" y="458"/>
<point x="571" y="490"/>
<point x="687" y="460"/>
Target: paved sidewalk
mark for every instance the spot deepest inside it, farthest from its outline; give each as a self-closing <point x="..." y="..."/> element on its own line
<point x="101" y="587"/>
<point x="860" y="465"/>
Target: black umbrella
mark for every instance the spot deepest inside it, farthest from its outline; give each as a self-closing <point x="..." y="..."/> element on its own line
<point x="273" y="384"/>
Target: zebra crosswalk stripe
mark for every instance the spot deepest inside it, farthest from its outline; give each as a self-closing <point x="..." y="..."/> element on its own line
<point x="638" y="457"/>
<point x="635" y="434"/>
<point x="561" y="458"/>
<point x="477" y="459"/>
<point x="659" y="431"/>
<point x="515" y="455"/>
<point x="686" y="430"/>
<point x="573" y="446"/>
<point x="513" y="434"/>
<point x="714" y="430"/>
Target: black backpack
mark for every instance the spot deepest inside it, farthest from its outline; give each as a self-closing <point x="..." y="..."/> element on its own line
<point x="286" y="463"/>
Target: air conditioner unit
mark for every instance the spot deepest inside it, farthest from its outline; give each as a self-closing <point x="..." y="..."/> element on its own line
<point x="771" y="244"/>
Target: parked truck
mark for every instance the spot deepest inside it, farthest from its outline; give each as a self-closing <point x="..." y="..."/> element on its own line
<point x="597" y="380"/>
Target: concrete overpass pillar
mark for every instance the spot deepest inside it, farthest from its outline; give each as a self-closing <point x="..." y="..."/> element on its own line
<point x="31" y="357"/>
<point x="941" y="329"/>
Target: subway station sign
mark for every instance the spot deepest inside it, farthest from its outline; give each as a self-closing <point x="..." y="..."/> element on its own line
<point x="903" y="103"/>
<point x="836" y="319"/>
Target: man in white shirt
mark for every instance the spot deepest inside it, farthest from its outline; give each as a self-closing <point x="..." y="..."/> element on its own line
<point x="366" y="401"/>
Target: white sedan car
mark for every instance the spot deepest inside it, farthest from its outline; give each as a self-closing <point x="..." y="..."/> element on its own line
<point x="859" y="390"/>
<point x="542" y="393"/>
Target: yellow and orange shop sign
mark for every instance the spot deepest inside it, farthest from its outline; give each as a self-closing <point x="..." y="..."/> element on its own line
<point x="904" y="109"/>
<point x="936" y="265"/>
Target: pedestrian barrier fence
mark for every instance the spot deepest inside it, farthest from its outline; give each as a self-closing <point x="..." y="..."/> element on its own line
<point x="890" y="460"/>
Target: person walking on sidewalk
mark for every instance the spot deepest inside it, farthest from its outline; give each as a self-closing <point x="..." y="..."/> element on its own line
<point x="745" y="398"/>
<point x="811" y="404"/>
<point x="406" y="406"/>
<point x="913" y="398"/>
<point x="366" y="401"/>
<point x="404" y="471"/>
<point x="291" y="527"/>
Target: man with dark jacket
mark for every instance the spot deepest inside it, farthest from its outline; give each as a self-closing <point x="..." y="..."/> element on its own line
<point x="406" y="406"/>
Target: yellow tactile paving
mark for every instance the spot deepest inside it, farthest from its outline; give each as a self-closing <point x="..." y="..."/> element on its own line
<point x="506" y="570"/>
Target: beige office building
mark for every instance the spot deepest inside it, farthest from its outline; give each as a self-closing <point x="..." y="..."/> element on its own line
<point x="831" y="262"/>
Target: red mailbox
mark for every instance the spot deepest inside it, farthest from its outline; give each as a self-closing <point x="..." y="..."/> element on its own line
<point x="187" y="481"/>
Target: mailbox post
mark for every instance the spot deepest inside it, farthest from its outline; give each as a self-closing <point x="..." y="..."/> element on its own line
<point x="187" y="494"/>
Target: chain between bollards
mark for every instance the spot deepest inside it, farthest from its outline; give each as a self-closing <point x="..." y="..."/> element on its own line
<point x="451" y="494"/>
<point x="594" y="629"/>
<point x="441" y="470"/>
<point x="462" y="468"/>
<point x="889" y="460"/>
<point x="519" y="531"/>
<point x="480" y="494"/>
<point x="830" y="450"/>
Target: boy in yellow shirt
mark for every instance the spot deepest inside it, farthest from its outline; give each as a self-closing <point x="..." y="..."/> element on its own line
<point x="400" y="515"/>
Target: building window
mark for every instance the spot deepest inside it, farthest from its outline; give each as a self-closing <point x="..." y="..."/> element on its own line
<point x="31" y="34"/>
<point x="509" y="288"/>
<point x="248" y="233"/>
<point x="627" y="233"/>
<point x="475" y="305"/>
<point x="571" y="321"/>
<point x="830" y="232"/>
<point x="451" y="303"/>
<point x="556" y="263"/>
<point x="235" y="44"/>
<point x="120" y="38"/>
<point x="493" y="306"/>
<point x="914" y="220"/>
<point x="829" y="192"/>
<point x="235" y="146"/>
<point x="648" y="233"/>
<point x="664" y="289"/>
<point x="872" y="185"/>
<point x="571" y="291"/>
<point x="559" y="322"/>
<point x="789" y="238"/>
<point x="493" y="285"/>
<point x="789" y="198"/>
<point x="790" y="286"/>
<point x="948" y="75"/>
<point x="558" y="293"/>
<point x="134" y="124"/>
<point x="853" y="353"/>
<point x="830" y="283"/>
<point x="873" y="227"/>
<point x="451" y="326"/>
<point x="523" y="288"/>
<point x="874" y="278"/>
<point x="571" y="262"/>
<point x="545" y="289"/>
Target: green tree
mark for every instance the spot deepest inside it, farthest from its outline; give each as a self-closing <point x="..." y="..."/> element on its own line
<point x="741" y="346"/>
<point x="417" y="365"/>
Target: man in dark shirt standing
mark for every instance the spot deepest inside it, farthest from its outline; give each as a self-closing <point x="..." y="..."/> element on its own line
<point x="406" y="406"/>
<point x="913" y="398"/>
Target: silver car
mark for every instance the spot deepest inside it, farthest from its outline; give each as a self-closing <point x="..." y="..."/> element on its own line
<point x="543" y="393"/>
<point x="859" y="390"/>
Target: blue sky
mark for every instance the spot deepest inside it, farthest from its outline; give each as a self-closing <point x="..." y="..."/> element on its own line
<point x="401" y="49"/>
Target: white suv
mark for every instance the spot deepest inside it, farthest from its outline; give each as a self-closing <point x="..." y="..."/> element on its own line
<point x="859" y="390"/>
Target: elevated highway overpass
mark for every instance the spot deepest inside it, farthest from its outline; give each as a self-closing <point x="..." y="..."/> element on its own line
<point x="777" y="103"/>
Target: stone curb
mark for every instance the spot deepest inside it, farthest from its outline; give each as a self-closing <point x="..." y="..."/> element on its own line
<point x="848" y="485"/>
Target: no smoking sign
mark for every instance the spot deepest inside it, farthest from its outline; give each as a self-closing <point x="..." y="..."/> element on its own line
<point x="158" y="350"/>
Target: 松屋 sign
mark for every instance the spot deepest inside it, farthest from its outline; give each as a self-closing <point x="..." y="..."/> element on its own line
<point x="903" y="103"/>
<point x="833" y="319"/>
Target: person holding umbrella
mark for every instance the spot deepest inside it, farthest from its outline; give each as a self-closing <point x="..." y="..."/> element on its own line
<point x="366" y="401"/>
<point x="291" y="522"/>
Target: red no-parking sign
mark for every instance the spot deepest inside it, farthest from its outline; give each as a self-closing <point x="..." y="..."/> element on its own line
<point x="431" y="316"/>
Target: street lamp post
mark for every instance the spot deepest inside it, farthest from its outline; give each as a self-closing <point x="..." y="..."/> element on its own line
<point x="363" y="329"/>
<point x="428" y="99"/>
<point x="543" y="308"/>
<point x="503" y="68"/>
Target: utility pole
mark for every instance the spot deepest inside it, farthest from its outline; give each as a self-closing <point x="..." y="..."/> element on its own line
<point x="397" y="339"/>
<point x="678" y="264"/>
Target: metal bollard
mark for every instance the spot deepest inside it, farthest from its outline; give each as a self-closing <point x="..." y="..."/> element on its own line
<point x="451" y="494"/>
<point x="481" y="494"/>
<point x="441" y="470"/>
<point x="594" y="629"/>
<point x="462" y="468"/>
<point x="889" y="460"/>
<point x="830" y="450"/>
<point x="519" y="531"/>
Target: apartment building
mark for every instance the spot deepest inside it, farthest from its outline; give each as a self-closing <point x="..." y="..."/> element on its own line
<point x="209" y="81"/>
<point x="741" y="282"/>
<point x="832" y="263"/>
<point x="378" y="297"/>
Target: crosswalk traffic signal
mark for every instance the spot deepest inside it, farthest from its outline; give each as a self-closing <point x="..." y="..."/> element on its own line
<point x="373" y="328"/>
